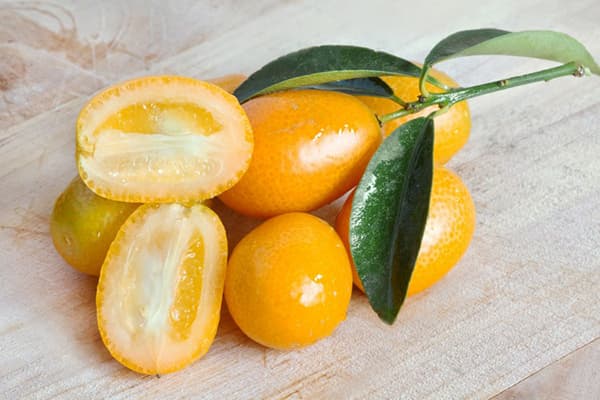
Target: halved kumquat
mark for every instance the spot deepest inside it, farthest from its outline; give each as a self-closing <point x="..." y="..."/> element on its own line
<point x="162" y="139"/>
<point x="159" y="295"/>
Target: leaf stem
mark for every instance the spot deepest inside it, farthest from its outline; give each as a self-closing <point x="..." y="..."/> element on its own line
<point x="394" y="115"/>
<point x="397" y="100"/>
<point x="453" y="96"/>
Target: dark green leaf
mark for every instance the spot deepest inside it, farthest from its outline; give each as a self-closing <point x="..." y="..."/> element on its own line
<point x="547" y="45"/>
<point x="389" y="212"/>
<point x="358" y="86"/>
<point x="453" y="45"/>
<point x="322" y="64"/>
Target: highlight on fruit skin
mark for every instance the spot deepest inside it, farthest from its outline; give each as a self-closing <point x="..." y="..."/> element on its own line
<point x="288" y="281"/>
<point x="448" y="230"/>
<point x="452" y="128"/>
<point x="83" y="225"/>
<point x="159" y="295"/>
<point x="311" y="147"/>
<point x="162" y="139"/>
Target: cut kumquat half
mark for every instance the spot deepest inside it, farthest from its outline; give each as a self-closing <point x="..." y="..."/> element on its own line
<point x="162" y="139"/>
<point x="159" y="295"/>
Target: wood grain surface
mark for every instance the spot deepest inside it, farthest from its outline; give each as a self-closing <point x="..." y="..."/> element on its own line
<point x="574" y="377"/>
<point x="518" y="318"/>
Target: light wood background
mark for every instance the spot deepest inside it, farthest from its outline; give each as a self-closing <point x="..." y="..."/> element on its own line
<point x="518" y="318"/>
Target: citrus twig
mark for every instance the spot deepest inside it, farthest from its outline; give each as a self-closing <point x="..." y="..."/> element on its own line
<point x="453" y="96"/>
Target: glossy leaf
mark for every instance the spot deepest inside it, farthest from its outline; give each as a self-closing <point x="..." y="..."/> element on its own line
<point x="547" y="45"/>
<point x="322" y="64"/>
<point x="389" y="212"/>
<point x="358" y="86"/>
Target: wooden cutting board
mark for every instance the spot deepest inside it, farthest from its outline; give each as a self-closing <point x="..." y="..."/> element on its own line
<point x="522" y="306"/>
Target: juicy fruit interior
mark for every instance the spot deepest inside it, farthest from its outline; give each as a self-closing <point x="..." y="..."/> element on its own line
<point x="158" y="140"/>
<point x="160" y="289"/>
<point x="163" y="139"/>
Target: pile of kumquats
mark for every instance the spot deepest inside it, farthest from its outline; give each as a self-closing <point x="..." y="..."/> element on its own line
<point x="154" y="153"/>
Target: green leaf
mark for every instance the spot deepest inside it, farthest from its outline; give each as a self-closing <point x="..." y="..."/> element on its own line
<point x="547" y="45"/>
<point x="322" y="64"/>
<point x="389" y="212"/>
<point x="358" y="86"/>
